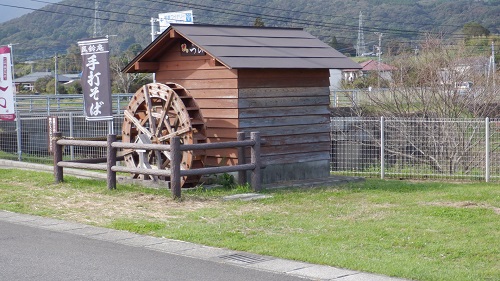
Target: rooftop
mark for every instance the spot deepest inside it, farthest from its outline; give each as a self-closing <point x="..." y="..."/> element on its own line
<point x="239" y="47"/>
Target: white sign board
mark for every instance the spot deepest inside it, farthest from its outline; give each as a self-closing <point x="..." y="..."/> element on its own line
<point x="6" y="87"/>
<point x="185" y="17"/>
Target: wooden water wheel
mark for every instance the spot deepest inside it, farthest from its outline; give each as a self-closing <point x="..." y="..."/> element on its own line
<point x="156" y="113"/>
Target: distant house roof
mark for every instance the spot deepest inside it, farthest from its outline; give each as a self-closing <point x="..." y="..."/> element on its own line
<point x="471" y="63"/>
<point x="373" y="65"/>
<point x="32" y="77"/>
<point x="250" y="47"/>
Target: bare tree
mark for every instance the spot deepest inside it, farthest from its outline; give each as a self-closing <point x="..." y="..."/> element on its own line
<point x="126" y="82"/>
<point x="428" y="97"/>
<point x="442" y="82"/>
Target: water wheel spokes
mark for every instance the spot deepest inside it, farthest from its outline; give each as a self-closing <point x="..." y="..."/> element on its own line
<point x="156" y="113"/>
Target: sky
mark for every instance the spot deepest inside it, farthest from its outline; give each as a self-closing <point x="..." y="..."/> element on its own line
<point x="8" y="13"/>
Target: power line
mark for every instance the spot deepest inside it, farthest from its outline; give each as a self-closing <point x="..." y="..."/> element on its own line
<point x="323" y="15"/>
<point x="238" y="13"/>
<point x="206" y="8"/>
<point x="70" y="14"/>
<point x="92" y="9"/>
<point x="282" y="19"/>
<point x="128" y="14"/>
<point x="308" y="22"/>
<point x="270" y="17"/>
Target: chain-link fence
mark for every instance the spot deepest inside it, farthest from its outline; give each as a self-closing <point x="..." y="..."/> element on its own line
<point x="402" y="148"/>
<point x="354" y="97"/>
<point x="27" y="139"/>
<point x="416" y="148"/>
<point x="49" y="104"/>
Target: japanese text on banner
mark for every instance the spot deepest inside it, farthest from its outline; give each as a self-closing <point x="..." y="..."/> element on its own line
<point x="7" y="110"/>
<point x="96" y="82"/>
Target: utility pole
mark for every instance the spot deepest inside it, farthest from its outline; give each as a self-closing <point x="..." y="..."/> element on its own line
<point x="379" y="53"/>
<point x="491" y="66"/>
<point x="97" y="22"/>
<point x="55" y="74"/>
<point x="154" y="28"/>
<point x="154" y="34"/>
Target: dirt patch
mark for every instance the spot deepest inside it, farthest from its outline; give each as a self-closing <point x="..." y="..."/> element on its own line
<point x="95" y="208"/>
<point x="464" y="204"/>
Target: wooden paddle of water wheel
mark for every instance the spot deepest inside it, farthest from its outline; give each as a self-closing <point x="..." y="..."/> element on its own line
<point x="156" y="113"/>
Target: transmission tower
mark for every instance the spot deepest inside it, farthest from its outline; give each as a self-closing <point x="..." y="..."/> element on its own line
<point x="97" y="21"/>
<point x="360" y="45"/>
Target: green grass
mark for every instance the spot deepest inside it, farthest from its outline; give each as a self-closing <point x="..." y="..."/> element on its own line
<point x="414" y="230"/>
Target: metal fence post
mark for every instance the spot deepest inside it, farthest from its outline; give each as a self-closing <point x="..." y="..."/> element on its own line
<point x="175" y="167"/>
<point x="71" y="132"/>
<point x="111" y="151"/>
<point x="19" y="136"/>
<point x="58" y="151"/>
<point x="255" y="156"/>
<point x="116" y="101"/>
<point x="242" y="175"/>
<point x="382" y="148"/>
<point x="487" y="149"/>
<point x="48" y="105"/>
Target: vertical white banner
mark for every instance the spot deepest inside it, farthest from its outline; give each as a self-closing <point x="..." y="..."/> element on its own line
<point x="7" y="111"/>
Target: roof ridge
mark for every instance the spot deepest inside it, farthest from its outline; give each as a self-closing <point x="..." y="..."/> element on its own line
<point x="237" y="26"/>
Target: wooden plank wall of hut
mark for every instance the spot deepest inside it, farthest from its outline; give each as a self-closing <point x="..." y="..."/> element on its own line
<point x="290" y="109"/>
<point x="215" y="89"/>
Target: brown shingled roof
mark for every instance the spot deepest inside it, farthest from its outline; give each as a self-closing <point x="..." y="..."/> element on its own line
<point x="371" y="65"/>
<point x="253" y="47"/>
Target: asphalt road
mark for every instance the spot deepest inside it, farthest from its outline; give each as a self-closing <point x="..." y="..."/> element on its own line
<point x="30" y="253"/>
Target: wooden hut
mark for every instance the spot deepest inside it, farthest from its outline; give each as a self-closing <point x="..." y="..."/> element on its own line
<point x="272" y="80"/>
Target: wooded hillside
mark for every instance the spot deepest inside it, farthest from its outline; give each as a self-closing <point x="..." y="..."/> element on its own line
<point x="54" y="28"/>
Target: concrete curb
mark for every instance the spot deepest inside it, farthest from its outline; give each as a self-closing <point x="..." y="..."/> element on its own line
<point x="257" y="262"/>
<point x="192" y="250"/>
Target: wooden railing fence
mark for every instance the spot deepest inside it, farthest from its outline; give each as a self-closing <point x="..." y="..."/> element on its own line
<point x="175" y="150"/>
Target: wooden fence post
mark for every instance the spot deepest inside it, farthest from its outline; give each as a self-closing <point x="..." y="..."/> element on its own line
<point x="242" y="175"/>
<point x="111" y="155"/>
<point x="255" y="156"/>
<point x="175" y="167"/>
<point x="58" y="151"/>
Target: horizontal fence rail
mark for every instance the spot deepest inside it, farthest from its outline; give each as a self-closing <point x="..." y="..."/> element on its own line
<point x="175" y="150"/>
<point x="49" y="104"/>
<point x="27" y="139"/>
